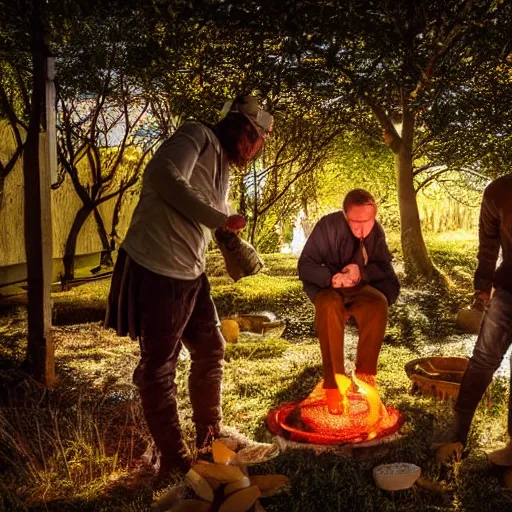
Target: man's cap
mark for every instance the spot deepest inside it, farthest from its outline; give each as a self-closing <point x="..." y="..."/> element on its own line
<point x="252" y="110"/>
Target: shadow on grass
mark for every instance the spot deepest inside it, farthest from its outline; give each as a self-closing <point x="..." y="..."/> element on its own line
<point x="330" y="481"/>
<point x="117" y="497"/>
<point x="263" y="348"/>
<point x="426" y="314"/>
<point x="479" y="486"/>
<point x="73" y="439"/>
<point x="67" y="311"/>
<point x="80" y="312"/>
<point x="297" y="390"/>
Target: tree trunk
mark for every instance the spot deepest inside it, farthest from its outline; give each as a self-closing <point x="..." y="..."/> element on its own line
<point x="242" y="204"/>
<point x="116" y="216"/>
<point x="2" y="185"/>
<point x="106" y="253"/>
<point x="255" y="208"/>
<point x="70" y="249"/>
<point x="416" y="258"/>
<point x="39" y="361"/>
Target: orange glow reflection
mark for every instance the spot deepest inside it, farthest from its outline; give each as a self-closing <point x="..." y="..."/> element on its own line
<point x="363" y="416"/>
<point x="376" y="409"/>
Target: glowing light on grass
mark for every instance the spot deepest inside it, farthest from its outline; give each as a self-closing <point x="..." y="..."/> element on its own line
<point x="343" y="383"/>
<point x="362" y="417"/>
<point x="376" y="409"/>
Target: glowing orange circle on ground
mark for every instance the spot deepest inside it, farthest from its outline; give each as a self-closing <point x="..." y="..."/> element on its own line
<point x="310" y="421"/>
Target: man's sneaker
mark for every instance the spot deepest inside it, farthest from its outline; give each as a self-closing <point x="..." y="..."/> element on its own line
<point x="502" y="457"/>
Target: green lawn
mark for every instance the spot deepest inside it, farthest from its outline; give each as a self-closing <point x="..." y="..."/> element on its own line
<point x="75" y="448"/>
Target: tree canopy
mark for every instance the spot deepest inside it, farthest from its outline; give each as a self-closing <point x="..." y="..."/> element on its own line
<point x="433" y="76"/>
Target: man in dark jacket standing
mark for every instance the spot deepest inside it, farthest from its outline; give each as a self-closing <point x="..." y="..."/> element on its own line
<point x="495" y="336"/>
<point x="345" y="268"/>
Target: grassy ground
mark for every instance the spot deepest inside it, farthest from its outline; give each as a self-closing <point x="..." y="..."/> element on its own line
<point x="75" y="448"/>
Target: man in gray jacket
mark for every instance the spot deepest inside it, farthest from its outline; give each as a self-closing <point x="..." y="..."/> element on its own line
<point x="160" y="294"/>
<point x="346" y="271"/>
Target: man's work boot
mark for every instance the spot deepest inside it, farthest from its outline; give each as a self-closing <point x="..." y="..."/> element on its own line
<point x="502" y="457"/>
<point x="164" y="428"/>
<point x="205" y="434"/>
<point x="151" y="457"/>
<point x="449" y="451"/>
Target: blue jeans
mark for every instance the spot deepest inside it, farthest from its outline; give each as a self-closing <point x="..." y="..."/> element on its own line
<point x="494" y="339"/>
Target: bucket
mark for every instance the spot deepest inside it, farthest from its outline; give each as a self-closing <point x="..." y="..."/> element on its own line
<point x="437" y="376"/>
<point x="240" y="256"/>
<point x="469" y="320"/>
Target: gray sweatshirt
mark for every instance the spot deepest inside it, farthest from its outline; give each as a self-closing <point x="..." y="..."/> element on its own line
<point x="184" y="195"/>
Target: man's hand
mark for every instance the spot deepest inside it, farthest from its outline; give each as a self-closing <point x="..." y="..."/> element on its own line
<point x="234" y="222"/>
<point x="345" y="278"/>
<point x="481" y="299"/>
<point x="353" y="272"/>
<point x="337" y="280"/>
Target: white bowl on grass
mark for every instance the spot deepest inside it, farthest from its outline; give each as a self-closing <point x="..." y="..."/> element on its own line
<point x="396" y="476"/>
